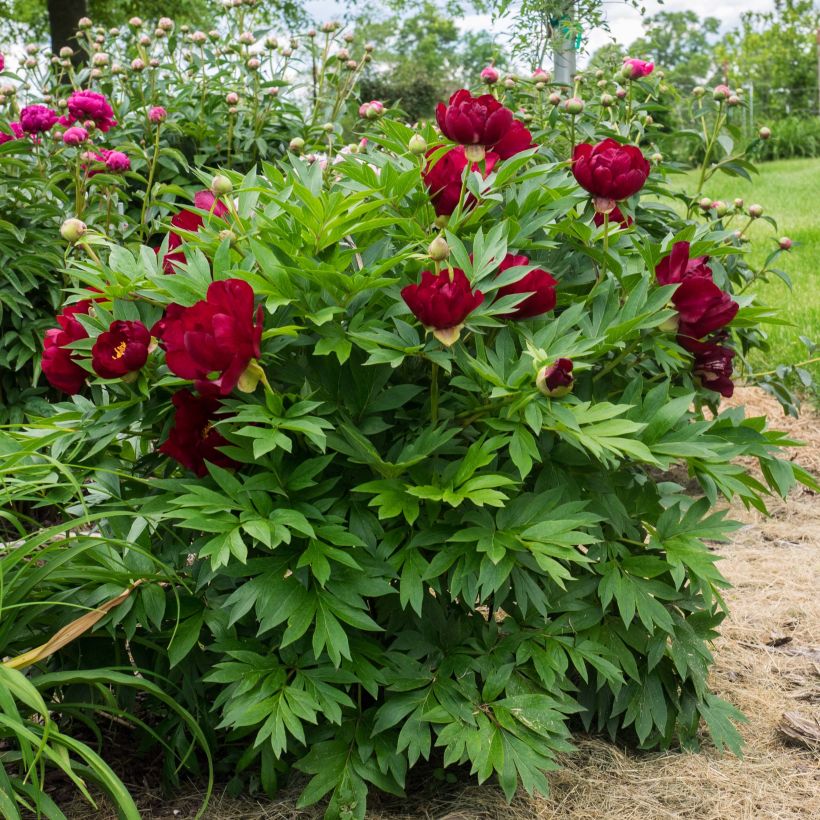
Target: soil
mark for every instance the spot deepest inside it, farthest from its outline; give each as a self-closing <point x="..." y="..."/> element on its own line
<point x="767" y="664"/>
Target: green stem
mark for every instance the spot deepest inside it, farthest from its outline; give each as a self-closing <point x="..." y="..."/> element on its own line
<point x="150" y="184"/>
<point x="606" y="246"/>
<point x="708" y="151"/>
<point x="813" y="360"/>
<point x="434" y="394"/>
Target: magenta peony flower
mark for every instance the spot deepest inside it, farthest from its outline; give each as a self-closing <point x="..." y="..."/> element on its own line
<point x="91" y="105"/>
<point x="610" y="171"/>
<point x="116" y="161"/>
<point x="490" y="74"/>
<point x="75" y="136"/>
<point x="634" y="69"/>
<point x="157" y="114"/>
<point x="443" y="178"/>
<point x="2" y="61"/>
<point x="36" y="119"/>
<point x="16" y="133"/>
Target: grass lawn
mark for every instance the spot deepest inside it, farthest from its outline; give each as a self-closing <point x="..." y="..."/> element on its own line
<point x="787" y="190"/>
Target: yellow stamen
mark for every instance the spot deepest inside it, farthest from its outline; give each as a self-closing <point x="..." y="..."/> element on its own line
<point x="119" y="350"/>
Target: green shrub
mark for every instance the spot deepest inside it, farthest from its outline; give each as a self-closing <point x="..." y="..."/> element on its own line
<point x="374" y="526"/>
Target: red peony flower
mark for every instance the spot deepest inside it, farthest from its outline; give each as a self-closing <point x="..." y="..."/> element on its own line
<point x="90" y="105"/>
<point x="36" y="119"/>
<point x="677" y="266"/>
<point x="216" y="335"/>
<point x="16" y="130"/>
<point x="615" y="215"/>
<point x="609" y="171"/>
<point x="702" y="306"/>
<point x="712" y="365"/>
<point x="442" y="302"/>
<point x="58" y="363"/>
<point x="538" y="283"/>
<point x="121" y="349"/>
<point x="482" y="121"/>
<point x="189" y="221"/>
<point x="193" y="439"/>
<point x="443" y="178"/>
<point x="634" y="69"/>
<point x="556" y="379"/>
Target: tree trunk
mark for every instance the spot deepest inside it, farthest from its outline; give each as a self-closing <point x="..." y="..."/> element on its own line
<point x="63" y="16"/>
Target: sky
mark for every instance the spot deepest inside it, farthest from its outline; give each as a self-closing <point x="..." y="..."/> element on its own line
<point x="624" y="21"/>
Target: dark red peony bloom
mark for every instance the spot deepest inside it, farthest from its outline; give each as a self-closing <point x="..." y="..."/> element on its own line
<point x="189" y="221"/>
<point x="35" y="119"/>
<point x="677" y="266"/>
<point x="556" y="380"/>
<point x="615" y="215"/>
<point x="609" y="171"/>
<point x="58" y="363"/>
<point x="443" y="178"/>
<point x="442" y="302"/>
<point x="193" y="439"/>
<point x="482" y="121"/>
<point x="712" y="365"/>
<point x="538" y="283"/>
<point x="217" y="335"/>
<point x="121" y="349"/>
<point x="702" y="306"/>
<point x="90" y="105"/>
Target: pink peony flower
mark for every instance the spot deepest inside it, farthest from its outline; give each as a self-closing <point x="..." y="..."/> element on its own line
<point x="116" y="161"/>
<point x="16" y="133"/>
<point x="75" y="136"/>
<point x="36" y="119"/>
<point x="490" y="75"/>
<point x="157" y="114"/>
<point x="634" y="69"/>
<point x="91" y="105"/>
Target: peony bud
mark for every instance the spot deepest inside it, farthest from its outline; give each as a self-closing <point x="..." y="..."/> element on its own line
<point x="72" y="230"/>
<point x="439" y="250"/>
<point x="657" y="158"/>
<point x="755" y="211"/>
<point x="66" y="52"/>
<point x="221" y="185"/>
<point x="509" y="82"/>
<point x="720" y="207"/>
<point x="253" y="64"/>
<point x="296" y="144"/>
<point x="738" y="203"/>
<point x="135" y="22"/>
<point x="369" y="48"/>
<point x="246" y="38"/>
<point x="157" y="114"/>
<point x="84" y="22"/>
<point x="232" y="98"/>
<point x="271" y="43"/>
<point x="574" y="106"/>
<point x="698" y="91"/>
<point x="607" y="100"/>
<point x="705" y="204"/>
<point x="145" y="40"/>
<point x="620" y="93"/>
<point x="328" y="128"/>
<point x="351" y="65"/>
<point x="75" y="136"/>
<point x="137" y="65"/>
<point x="554" y="98"/>
<point x="417" y="144"/>
<point x="733" y="100"/>
<point x="227" y="234"/>
<point x="342" y="54"/>
<point x="490" y="75"/>
<point x="785" y="243"/>
<point x="721" y="92"/>
<point x="764" y="133"/>
<point x="165" y="23"/>
<point x="556" y="379"/>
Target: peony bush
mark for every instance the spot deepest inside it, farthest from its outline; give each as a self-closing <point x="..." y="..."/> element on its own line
<point x="403" y="458"/>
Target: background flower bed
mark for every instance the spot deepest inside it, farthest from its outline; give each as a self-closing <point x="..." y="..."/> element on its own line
<point x="326" y="599"/>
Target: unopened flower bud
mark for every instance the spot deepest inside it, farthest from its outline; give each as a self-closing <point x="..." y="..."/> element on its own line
<point x="72" y="230"/>
<point x="785" y="243"/>
<point x="574" y="106"/>
<point x="137" y="65"/>
<point x="489" y="75"/>
<point x="733" y="100"/>
<point x="253" y="64"/>
<point x="607" y="100"/>
<point x="221" y="185"/>
<point x="296" y="144"/>
<point x="620" y="93"/>
<point x="153" y="62"/>
<point x="698" y="91"/>
<point x="720" y="207"/>
<point x="232" y="98"/>
<point x="227" y="234"/>
<point x="755" y="211"/>
<point x="602" y="84"/>
<point x="165" y="23"/>
<point x="738" y="203"/>
<point x="764" y="133"/>
<point x="439" y="250"/>
<point x="328" y="127"/>
<point x="555" y="380"/>
<point x="705" y="204"/>
<point x="342" y="54"/>
<point x="657" y="158"/>
<point x="351" y="65"/>
<point x="271" y="43"/>
<point x="417" y="144"/>
<point x="145" y="40"/>
<point x="721" y="92"/>
<point x="84" y="22"/>
<point x="509" y="82"/>
<point x="554" y="98"/>
<point x="369" y="47"/>
<point x="135" y="22"/>
<point x="246" y="38"/>
<point x="66" y="52"/>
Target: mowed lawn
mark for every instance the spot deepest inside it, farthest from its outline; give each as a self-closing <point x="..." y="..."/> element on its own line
<point x="788" y="192"/>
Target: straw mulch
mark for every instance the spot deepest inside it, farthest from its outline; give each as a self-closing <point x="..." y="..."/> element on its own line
<point x="768" y="665"/>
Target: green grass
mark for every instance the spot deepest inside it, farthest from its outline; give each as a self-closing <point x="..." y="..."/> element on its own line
<point x="787" y="190"/>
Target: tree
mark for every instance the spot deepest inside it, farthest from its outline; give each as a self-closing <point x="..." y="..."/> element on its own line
<point x="776" y="52"/>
